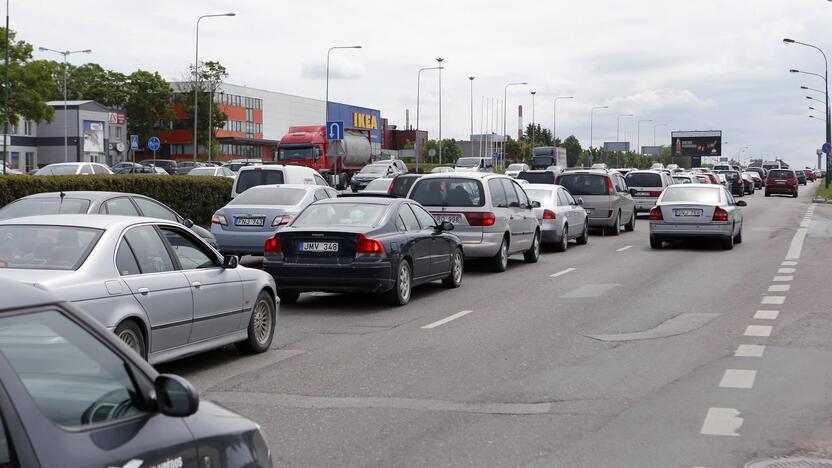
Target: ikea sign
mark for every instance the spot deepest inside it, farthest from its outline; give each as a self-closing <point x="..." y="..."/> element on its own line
<point x="367" y="121"/>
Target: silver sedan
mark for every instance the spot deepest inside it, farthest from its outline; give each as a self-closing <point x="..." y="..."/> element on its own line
<point x="160" y="288"/>
<point x="562" y="217"/>
<point x="696" y="212"/>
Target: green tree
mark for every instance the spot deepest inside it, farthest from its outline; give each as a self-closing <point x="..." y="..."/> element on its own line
<point x="30" y="83"/>
<point x="148" y="103"/>
<point x="573" y="150"/>
<point x="211" y="76"/>
<point x="542" y="136"/>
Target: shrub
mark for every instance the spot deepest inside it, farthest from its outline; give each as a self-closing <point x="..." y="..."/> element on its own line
<point x="195" y="198"/>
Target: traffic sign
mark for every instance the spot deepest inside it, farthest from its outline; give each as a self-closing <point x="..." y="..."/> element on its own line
<point x="431" y="152"/>
<point x="153" y="144"/>
<point x="336" y="149"/>
<point x="826" y="148"/>
<point x="335" y="130"/>
<point x="134" y="142"/>
<point x="590" y="158"/>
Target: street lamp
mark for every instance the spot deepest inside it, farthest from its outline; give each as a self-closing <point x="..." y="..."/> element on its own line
<point x="591" y="126"/>
<point x="439" y="60"/>
<point x="655" y="126"/>
<point x="326" y="104"/>
<point x="418" y="88"/>
<point x="196" y="79"/>
<point x="65" y="53"/>
<point x="505" y="106"/>
<point x="471" y="79"/>
<point x="812" y="89"/>
<point x="555" y="116"/>
<point x="533" y="93"/>
<point x="6" y="94"/>
<point x="814" y="99"/>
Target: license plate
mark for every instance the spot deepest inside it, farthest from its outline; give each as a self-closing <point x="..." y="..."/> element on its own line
<point x="780" y="182"/>
<point x="453" y="219"/>
<point x="249" y="221"/>
<point x="687" y="212"/>
<point x="642" y="194"/>
<point x="318" y="246"/>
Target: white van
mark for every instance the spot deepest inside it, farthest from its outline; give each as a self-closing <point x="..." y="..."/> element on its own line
<point x="274" y="174"/>
<point x="474" y="165"/>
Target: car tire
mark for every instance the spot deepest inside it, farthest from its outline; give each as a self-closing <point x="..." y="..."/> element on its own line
<point x="616" y="226"/>
<point x="728" y="243"/>
<point x="499" y="262"/>
<point x="454" y="279"/>
<point x="655" y="243"/>
<point x="129" y="332"/>
<point x="768" y="194"/>
<point x="261" y="326"/>
<point x="631" y="224"/>
<point x="288" y="296"/>
<point x="738" y="237"/>
<point x="400" y="294"/>
<point x="564" y="240"/>
<point x="584" y="237"/>
<point x="533" y="254"/>
<point x="794" y="195"/>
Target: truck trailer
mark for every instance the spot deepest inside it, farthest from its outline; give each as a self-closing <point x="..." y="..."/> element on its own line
<point x="308" y="146"/>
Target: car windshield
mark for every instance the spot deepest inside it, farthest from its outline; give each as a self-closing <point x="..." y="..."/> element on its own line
<point x="691" y="194"/>
<point x="681" y="180"/>
<point x="547" y="177"/>
<point x="256" y="177"/>
<point x="379" y="185"/>
<point x="516" y="167"/>
<point x="643" y="179"/>
<point x="448" y="191"/>
<point x="731" y="175"/>
<point x="468" y="162"/>
<point x="58" y="169"/>
<point x="202" y="171"/>
<point x="780" y="174"/>
<point x="297" y="152"/>
<point x="374" y="169"/>
<point x="584" y="184"/>
<point x="42" y="247"/>
<point x="539" y="161"/>
<point x="280" y="196"/>
<point x="340" y="214"/>
<point x="44" y="206"/>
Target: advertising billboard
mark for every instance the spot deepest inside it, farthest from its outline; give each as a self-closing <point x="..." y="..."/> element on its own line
<point x="697" y="143"/>
<point x="93" y="136"/>
<point x="616" y="146"/>
<point x="652" y="150"/>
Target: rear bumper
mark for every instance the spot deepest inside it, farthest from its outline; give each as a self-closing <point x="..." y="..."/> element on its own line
<point x="488" y="247"/>
<point x="355" y="277"/>
<point x="781" y="189"/>
<point x="241" y="242"/>
<point x="668" y="231"/>
<point x="552" y="230"/>
<point x="644" y="204"/>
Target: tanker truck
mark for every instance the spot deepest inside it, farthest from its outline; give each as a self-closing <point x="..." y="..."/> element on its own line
<point x="308" y="146"/>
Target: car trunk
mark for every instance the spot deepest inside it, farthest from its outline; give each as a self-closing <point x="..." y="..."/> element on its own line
<point x="327" y="247"/>
<point x="247" y="218"/>
<point x="687" y="212"/>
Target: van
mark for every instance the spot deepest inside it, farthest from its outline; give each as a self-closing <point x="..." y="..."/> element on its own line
<point x="647" y="187"/>
<point x="274" y="174"/>
<point x="474" y="165"/>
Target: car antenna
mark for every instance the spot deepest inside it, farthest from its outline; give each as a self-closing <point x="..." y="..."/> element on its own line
<point x="61" y="204"/>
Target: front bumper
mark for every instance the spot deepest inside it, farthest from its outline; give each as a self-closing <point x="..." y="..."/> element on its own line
<point x="372" y="277"/>
<point x="669" y="231"/>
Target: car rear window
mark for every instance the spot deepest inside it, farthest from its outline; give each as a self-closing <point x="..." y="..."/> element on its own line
<point x="448" y="191"/>
<point x="691" y="194"/>
<point x="643" y="179"/>
<point x="271" y="196"/>
<point x="253" y="178"/>
<point x="402" y="185"/>
<point x="44" y="206"/>
<point x="340" y="214"/>
<point x="39" y="247"/>
<point x="730" y="175"/>
<point x="584" y="184"/>
<point x="779" y="174"/>
<point x="547" y="177"/>
<point x="58" y="169"/>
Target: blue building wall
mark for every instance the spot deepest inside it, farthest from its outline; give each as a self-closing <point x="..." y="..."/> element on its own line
<point x="357" y="117"/>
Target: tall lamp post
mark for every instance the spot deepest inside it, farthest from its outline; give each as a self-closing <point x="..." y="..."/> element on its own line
<point x="471" y="79"/>
<point x="555" y="116"/>
<point x="196" y="79"/>
<point x="533" y="93"/>
<point x="65" y="53"/>
<point x="505" y="106"/>
<point x="6" y="94"/>
<point x="618" y="125"/>
<point x="326" y="104"/>
<point x="638" y="134"/>
<point x="592" y="126"/>
<point x="439" y="60"/>
<point x="418" y="89"/>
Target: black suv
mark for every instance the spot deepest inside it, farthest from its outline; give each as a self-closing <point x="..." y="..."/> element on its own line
<point x="169" y="165"/>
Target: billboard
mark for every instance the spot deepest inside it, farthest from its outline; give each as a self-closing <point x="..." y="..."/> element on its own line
<point x="616" y="146"/>
<point x="697" y="143"/>
<point x="652" y="150"/>
<point x="93" y="136"/>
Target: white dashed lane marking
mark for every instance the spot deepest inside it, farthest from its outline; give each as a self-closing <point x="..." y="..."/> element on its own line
<point x="783" y="278"/>
<point x="789" y="263"/>
<point x="758" y="330"/>
<point x="560" y="273"/>
<point x="766" y="314"/>
<point x="738" y="378"/>
<point x="797" y="245"/>
<point x="786" y="271"/>
<point x="775" y="300"/>
<point x="779" y="288"/>
<point x="750" y="350"/>
<point x="447" y="319"/>
<point x="624" y="248"/>
<point x="722" y="422"/>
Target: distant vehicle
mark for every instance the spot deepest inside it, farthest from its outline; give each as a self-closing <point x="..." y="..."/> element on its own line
<point x="769" y="165"/>
<point x="274" y="174"/>
<point x="545" y="157"/>
<point x="74" y="168"/>
<point x="185" y="166"/>
<point x="702" y="178"/>
<point x="376" y="170"/>
<point x="801" y="177"/>
<point x="723" y="167"/>
<point x="810" y="175"/>
<point x="562" y="217"/>
<point x="699" y="170"/>
<point x="623" y="170"/>
<point x="607" y="199"/>
<point x="514" y="169"/>
<point x="235" y="164"/>
<point x="710" y="178"/>
<point x="474" y="165"/>
<point x="309" y="146"/>
<point x="402" y="184"/>
<point x="379" y="186"/>
<point x="657" y="167"/>
<point x="441" y="169"/>
<point x="363" y="244"/>
<point x="722" y="180"/>
<point x="696" y="212"/>
<point x="646" y="187"/>
<point x="735" y="182"/>
<point x="115" y="167"/>
<point x="82" y="386"/>
<point x="685" y="179"/>
<point x="673" y="168"/>
<point x="750" y="184"/>
<point x="211" y="171"/>
<point x="602" y="166"/>
<point x="538" y="177"/>
<point x="168" y="165"/>
<point x="141" y="169"/>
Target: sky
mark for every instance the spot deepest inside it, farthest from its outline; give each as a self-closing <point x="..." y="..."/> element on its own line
<point x="695" y="65"/>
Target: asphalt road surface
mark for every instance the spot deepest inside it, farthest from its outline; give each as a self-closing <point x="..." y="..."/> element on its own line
<point x="610" y="354"/>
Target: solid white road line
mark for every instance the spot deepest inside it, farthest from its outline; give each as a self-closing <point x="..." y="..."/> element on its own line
<point x="789" y="263"/>
<point x="783" y="278"/>
<point x="776" y="300"/>
<point x="447" y="319"/>
<point x="797" y="244"/>
<point x="749" y="350"/>
<point x="766" y="314"/>
<point x="758" y="330"/>
<point x="722" y="422"/>
<point x="738" y="378"/>
<point x="779" y="288"/>
<point x="568" y="270"/>
<point x="786" y="270"/>
<point x="624" y="248"/>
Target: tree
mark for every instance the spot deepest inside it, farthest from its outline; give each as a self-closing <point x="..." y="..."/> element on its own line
<point x="573" y="150"/>
<point x="148" y="103"/>
<point x="30" y="83"/>
<point x="211" y="76"/>
<point x="542" y="136"/>
<point x="450" y="151"/>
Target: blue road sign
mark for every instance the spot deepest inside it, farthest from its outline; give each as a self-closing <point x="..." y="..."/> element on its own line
<point x="590" y="158"/>
<point x="495" y="154"/>
<point x="826" y="148"/>
<point x="153" y="144"/>
<point x="335" y="130"/>
<point x="134" y="142"/>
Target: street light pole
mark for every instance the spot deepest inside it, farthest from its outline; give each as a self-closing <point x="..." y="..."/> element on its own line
<point x="638" y="135"/>
<point x="196" y="79"/>
<point x="65" y="53"/>
<point x="6" y="95"/>
<point x="440" y="59"/>
<point x="618" y="126"/>
<point x="505" y="106"/>
<point x="471" y="79"/>
<point x="555" y="116"/>
<point x="533" y="129"/>
<point x="591" y="127"/>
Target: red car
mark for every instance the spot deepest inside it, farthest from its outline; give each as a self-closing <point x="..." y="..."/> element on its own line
<point x="781" y="181"/>
<point x="810" y="175"/>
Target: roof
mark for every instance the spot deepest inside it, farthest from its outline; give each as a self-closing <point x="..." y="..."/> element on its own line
<point x="550" y="187"/>
<point x="460" y="175"/>
<point x="87" y="195"/>
<point x="372" y="200"/>
<point x="23" y="296"/>
<point x="94" y="221"/>
<point x="68" y="103"/>
<point x="307" y="187"/>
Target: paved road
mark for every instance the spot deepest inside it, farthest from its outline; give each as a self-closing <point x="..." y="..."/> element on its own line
<point x="610" y="354"/>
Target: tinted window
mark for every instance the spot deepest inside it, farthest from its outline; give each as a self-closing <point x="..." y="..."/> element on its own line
<point x="498" y="195"/>
<point x="375" y="169"/>
<point x="521" y="194"/>
<point x="379" y="185"/>
<point x="425" y="218"/>
<point x="692" y="194"/>
<point x="585" y="184"/>
<point x="340" y="214"/>
<point x="191" y="256"/>
<point x="780" y="174"/>
<point x="562" y="201"/>
<point x="125" y="260"/>
<point x="149" y="249"/>
<point x="119" y="206"/>
<point x="401" y="185"/>
<point x="640" y="179"/>
<point x="409" y="219"/>
<point x="58" y="169"/>
<point x="468" y="162"/>
<point x="45" y="247"/>
<point x="511" y="196"/>
<point x="99" y="169"/>
<point x="730" y="175"/>
<point x="270" y="196"/>
<point x="44" y="206"/>
<point x="202" y="171"/>
<point x="320" y="181"/>
<point x="72" y="377"/>
<point x="86" y="169"/>
<point x="253" y="178"/>
<point x="570" y="200"/>
<point x="448" y="192"/>
<point x="5" y="448"/>
<point x="547" y="177"/>
<point x="151" y="209"/>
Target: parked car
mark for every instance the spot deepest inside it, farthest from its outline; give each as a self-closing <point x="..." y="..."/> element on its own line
<point x="513" y="170"/>
<point x="801" y="177"/>
<point x="235" y="164"/>
<point x="735" y="182"/>
<point x="748" y="182"/>
<point x="160" y="288"/>
<point x="402" y="184"/>
<point x="140" y="169"/>
<point x="185" y="166"/>
<point x="606" y="197"/>
<point x="117" y="166"/>
<point x="212" y="171"/>
<point x="363" y="244"/>
<point x="376" y="170"/>
<point x="538" y="177"/>
<point x="271" y="174"/>
<point x="91" y="202"/>
<point x="646" y="186"/>
<point x="696" y="212"/>
<point x="474" y="164"/>
<point x="379" y="186"/>
<point x="169" y="165"/>
<point x="781" y="181"/>
<point x="242" y="226"/>
<point x="491" y="213"/>
<point x="562" y="217"/>
<point x="441" y="169"/>
<point x="74" y="168"/>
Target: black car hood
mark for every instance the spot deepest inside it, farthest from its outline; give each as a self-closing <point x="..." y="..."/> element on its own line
<point x="213" y="419"/>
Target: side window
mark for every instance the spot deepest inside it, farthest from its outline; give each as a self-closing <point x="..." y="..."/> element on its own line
<point x="190" y="254"/>
<point x="99" y="169"/>
<point x="521" y="195"/>
<point x="562" y="200"/>
<point x="86" y="169"/>
<point x="511" y="195"/>
<point x="151" y="209"/>
<point x="125" y="260"/>
<point x="570" y="200"/>
<point x="119" y="206"/>
<point x="332" y="193"/>
<point x="400" y="223"/>
<point x="425" y="218"/>
<point x="410" y="221"/>
<point x="498" y="195"/>
<point x="320" y="195"/>
<point x="320" y="181"/>
<point x="149" y="250"/>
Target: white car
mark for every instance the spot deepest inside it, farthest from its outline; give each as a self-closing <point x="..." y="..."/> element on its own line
<point x="212" y="171"/>
<point x="274" y="174"/>
<point x="74" y="168"/>
<point x="513" y="170"/>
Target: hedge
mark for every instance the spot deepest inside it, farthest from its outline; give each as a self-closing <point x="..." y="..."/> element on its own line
<point x="195" y="198"/>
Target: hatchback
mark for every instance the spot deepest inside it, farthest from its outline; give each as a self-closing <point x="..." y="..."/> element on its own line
<point x="169" y="165"/>
<point x="74" y="168"/>
<point x="735" y="182"/>
<point x="272" y="174"/>
<point x="539" y="177"/>
<point x="606" y="198"/>
<point x="781" y="181"/>
<point x="696" y="212"/>
<point x="646" y="187"/>
<point x="801" y="177"/>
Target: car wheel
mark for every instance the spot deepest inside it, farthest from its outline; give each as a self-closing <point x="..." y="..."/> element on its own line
<point x="616" y="227"/>
<point x="288" y="296"/>
<point x="533" y="254"/>
<point x="564" y="240"/>
<point x="728" y="242"/>
<point x="768" y="194"/>
<point x="655" y="243"/>
<point x="130" y="333"/>
<point x="738" y="237"/>
<point x="794" y="195"/>
<point x="499" y="262"/>
<point x="400" y="294"/>
<point x="584" y="237"/>
<point x="260" y="326"/>
<point x="454" y="279"/>
<point x="631" y="224"/>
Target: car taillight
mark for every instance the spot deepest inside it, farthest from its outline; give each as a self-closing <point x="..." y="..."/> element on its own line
<point x="368" y="246"/>
<point x="219" y="219"/>
<point x="654" y="194"/>
<point x="549" y="214"/>
<point x="720" y="215"/>
<point x="480" y="219"/>
<point x="610" y="187"/>
<point x="273" y="245"/>
<point x="792" y="181"/>
<point x="281" y="220"/>
<point x="390" y="188"/>
<point x="656" y="214"/>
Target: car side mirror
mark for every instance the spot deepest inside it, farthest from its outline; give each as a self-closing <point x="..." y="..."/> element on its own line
<point x="580" y="201"/>
<point x="535" y="204"/>
<point x="230" y="262"/>
<point x="175" y="396"/>
<point x="446" y="226"/>
<point x="633" y="191"/>
<point x="741" y="203"/>
<point x="188" y="223"/>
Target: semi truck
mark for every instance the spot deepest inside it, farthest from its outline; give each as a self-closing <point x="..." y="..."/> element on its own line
<point x="308" y="146"/>
<point x="546" y="156"/>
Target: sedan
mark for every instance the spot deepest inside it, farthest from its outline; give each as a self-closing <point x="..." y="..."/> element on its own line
<point x="363" y="244"/>
<point x="242" y="226"/>
<point x="140" y="169"/>
<point x="562" y="217"/>
<point x="74" y="395"/>
<point x="157" y="286"/>
<point x="379" y="186"/>
<point x="513" y="170"/>
<point x="696" y="212"/>
<point x="211" y="171"/>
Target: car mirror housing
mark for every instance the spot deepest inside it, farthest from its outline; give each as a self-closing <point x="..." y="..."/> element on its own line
<point x="742" y="203"/>
<point x="188" y="223"/>
<point x="535" y="204"/>
<point x="633" y="191"/>
<point x="580" y="201"/>
<point x="230" y="262"/>
<point x="175" y="396"/>
<point x="446" y="226"/>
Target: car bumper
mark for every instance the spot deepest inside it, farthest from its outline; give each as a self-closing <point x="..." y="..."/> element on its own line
<point x="781" y="189"/>
<point x="552" y="231"/>
<point x="644" y="204"/>
<point x="359" y="185"/>
<point x="240" y="242"/>
<point x="487" y="247"/>
<point x="668" y="231"/>
<point x="355" y="277"/>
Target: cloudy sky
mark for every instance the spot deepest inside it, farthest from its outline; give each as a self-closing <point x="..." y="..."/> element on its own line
<point x="697" y="65"/>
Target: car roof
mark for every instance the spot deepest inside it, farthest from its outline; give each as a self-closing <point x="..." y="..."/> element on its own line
<point x="83" y="194"/>
<point x="696" y="186"/>
<point x="646" y="171"/>
<point x="602" y="172"/>
<point x="353" y="199"/>
<point x="461" y="175"/>
<point x="95" y="221"/>
<point x="549" y="187"/>
<point x="306" y="187"/>
<point x="23" y="296"/>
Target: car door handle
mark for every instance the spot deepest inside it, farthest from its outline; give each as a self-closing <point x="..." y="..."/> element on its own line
<point x="143" y="291"/>
<point x="196" y="284"/>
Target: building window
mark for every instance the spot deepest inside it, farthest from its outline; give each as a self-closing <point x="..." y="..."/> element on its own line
<point x="30" y="161"/>
<point x="12" y="129"/>
<point x="27" y="127"/>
